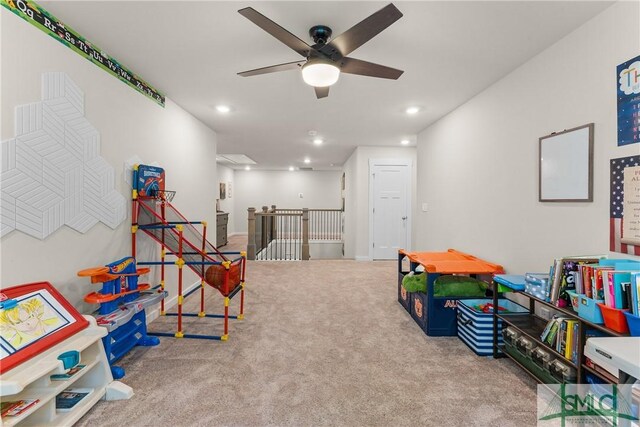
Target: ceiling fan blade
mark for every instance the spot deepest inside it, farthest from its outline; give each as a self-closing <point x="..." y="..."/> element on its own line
<point x="273" y="69"/>
<point x="275" y="30"/>
<point x="364" y="68"/>
<point x="362" y="32"/>
<point x="322" y="92"/>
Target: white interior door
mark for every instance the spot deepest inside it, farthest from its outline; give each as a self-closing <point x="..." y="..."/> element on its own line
<point x="390" y="220"/>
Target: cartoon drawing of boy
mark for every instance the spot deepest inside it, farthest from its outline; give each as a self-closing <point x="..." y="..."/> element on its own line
<point x="26" y="322"/>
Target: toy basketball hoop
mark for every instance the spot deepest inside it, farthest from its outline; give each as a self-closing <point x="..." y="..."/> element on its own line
<point x="166" y="195"/>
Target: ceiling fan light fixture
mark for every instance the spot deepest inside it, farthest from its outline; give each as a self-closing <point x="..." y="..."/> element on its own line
<point x="319" y="73"/>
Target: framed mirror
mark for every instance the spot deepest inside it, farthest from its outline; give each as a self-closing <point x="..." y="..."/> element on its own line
<point x="566" y="166"/>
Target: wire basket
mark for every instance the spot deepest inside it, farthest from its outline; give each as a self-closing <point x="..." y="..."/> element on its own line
<point x="165" y="195"/>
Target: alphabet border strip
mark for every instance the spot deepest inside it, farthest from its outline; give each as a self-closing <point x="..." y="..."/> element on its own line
<point x="43" y="20"/>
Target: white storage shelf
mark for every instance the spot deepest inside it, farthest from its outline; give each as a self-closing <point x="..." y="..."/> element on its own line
<point x="31" y="380"/>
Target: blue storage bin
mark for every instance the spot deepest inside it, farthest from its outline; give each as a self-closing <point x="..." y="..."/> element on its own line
<point x="436" y="316"/>
<point x="588" y="309"/>
<point x="418" y="308"/>
<point x="633" y="322"/>
<point x="404" y="298"/>
<point x="475" y="327"/>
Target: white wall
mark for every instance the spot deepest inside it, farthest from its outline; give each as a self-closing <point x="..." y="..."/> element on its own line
<point x="478" y="166"/>
<point x="256" y="188"/>
<point x="227" y="175"/>
<point x="350" y="170"/>
<point x="356" y="171"/>
<point x="129" y="124"/>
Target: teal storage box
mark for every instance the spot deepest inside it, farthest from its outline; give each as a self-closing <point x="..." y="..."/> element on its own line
<point x="588" y="309"/>
<point x="475" y="326"/>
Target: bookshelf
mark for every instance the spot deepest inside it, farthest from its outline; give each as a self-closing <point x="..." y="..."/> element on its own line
<point x="32" y="380"/>
<point x="532" y="326"/>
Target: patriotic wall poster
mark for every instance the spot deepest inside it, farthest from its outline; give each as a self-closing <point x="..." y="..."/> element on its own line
<point x="628" y="78"/>
<point x="631" y="208"/>
<point x="624" y="218"/>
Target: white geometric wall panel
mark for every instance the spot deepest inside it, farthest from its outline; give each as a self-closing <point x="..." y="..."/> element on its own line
<point x="51" y="172"/>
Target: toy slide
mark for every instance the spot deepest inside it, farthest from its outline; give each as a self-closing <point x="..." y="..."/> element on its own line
<point x="165" y="224"/>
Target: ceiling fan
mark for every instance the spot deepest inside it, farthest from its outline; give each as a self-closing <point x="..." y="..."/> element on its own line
<point x="327" y="58"/>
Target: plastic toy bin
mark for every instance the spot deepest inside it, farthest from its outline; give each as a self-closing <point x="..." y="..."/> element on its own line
<point x="614" y="318"/>
<point x="575" y="300"/>
<point x="633" y="322"/>
<point x="475" y="326"/>
<point x="404" y="297"/>
<point x="437" y="316"/>
<point x="588" y="309"/>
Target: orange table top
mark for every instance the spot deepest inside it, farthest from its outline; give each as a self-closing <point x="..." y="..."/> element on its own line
<point x="452" y="262"/>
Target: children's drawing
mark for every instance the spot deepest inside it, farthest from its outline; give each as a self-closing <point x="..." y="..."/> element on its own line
<point x="33" y="318"/>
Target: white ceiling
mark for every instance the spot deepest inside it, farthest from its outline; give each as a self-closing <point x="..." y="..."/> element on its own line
<point x="450" y="51"/>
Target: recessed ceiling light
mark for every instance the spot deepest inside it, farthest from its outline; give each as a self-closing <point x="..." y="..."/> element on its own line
<point x="223" y="108"/>
<point x="404" y="142"/>
<point x="247" y="168"/>
<point x="412" y="110"/>
<point x="291" y="168"/>
<point x="317" y="141"/>
<point x="307" y="160"/>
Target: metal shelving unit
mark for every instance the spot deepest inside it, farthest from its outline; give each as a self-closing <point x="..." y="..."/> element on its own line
<point x="533" y="325"/>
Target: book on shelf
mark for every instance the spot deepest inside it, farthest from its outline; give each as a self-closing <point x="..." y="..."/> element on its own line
<point x="70" y="398"/>
<point x="587" y="282"/>
<point x="555" y="277"/>
<point x="635" y="293"/>
<point x="562" y="335"/>
<point x="561" y="338"/>
<point x="577" y="279"/>
<point x="575" y="343"/>
<point x="598" y="281"/>
<point x="626" y="295"/>
<point x="565" y="271"/>
<point x="571" y="337"/>
<point x="601" y="371"/>
<point x="16" y="407"/>
<point x="619" y="278"/>
<point x="67" y="375"/>
<point x="549" y="333"/>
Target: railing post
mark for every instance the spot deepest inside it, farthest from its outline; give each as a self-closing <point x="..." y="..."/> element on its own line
<point x="266" y="231"/>
<point x="305" y="234"/>
<point x="274" y="230"/>
<point x="251" y="234"/>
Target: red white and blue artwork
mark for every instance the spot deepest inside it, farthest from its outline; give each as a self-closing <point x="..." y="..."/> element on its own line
<point x="628" y="77"/>
<point x="616" y="208"/>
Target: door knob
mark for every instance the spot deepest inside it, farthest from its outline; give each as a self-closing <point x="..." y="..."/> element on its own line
<point x="404" y="217"/>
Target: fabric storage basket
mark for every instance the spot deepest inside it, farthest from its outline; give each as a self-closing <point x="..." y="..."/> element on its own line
<point x="537" y="284"/>
<point x="475" y="326"/>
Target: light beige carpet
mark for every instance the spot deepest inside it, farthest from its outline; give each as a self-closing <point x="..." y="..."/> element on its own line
<point x="323" y="343"/>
